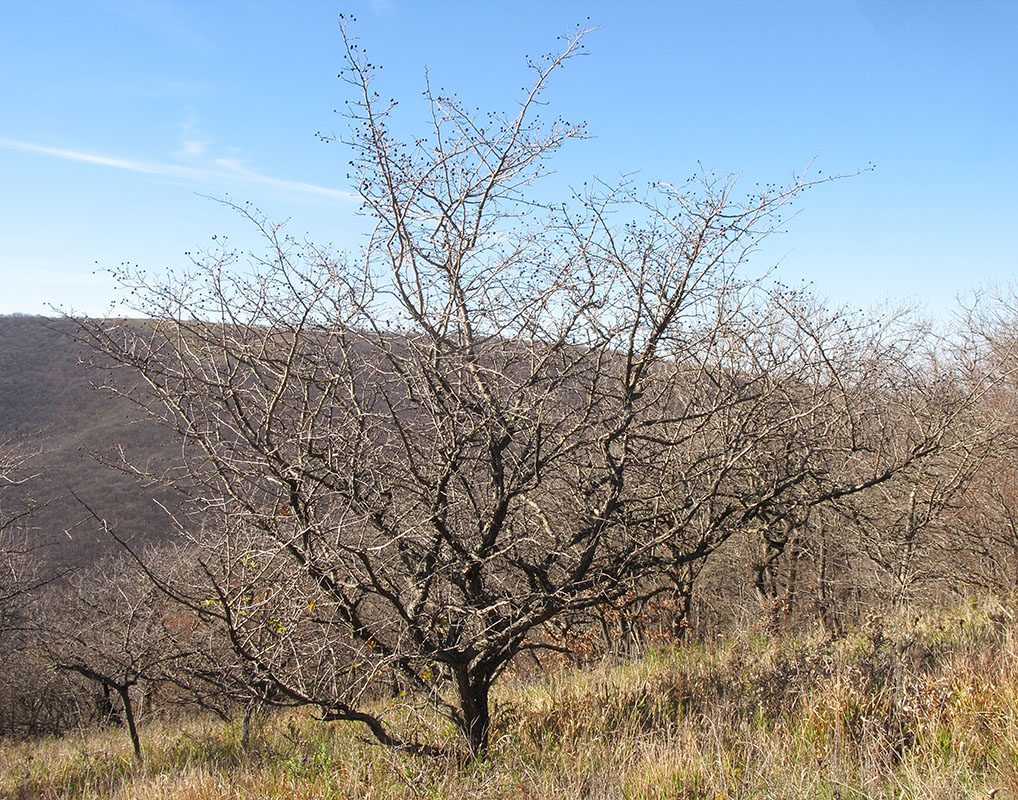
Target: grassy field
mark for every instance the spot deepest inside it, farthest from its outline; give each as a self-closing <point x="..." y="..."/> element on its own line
<point x="921" y="706"/>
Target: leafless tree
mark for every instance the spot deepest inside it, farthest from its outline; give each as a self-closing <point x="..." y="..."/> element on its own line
<point x="851" y="409"/>
<point x="112" y="627"/>
<point x="906" y="539"/>
<point x="32" y="700"/>
<point x="980" y="530"/>
<point x="19" y="566"/>
<point x="405" y="466"/>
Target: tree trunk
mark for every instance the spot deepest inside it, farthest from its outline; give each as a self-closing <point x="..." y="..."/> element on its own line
<point x="683" y="596"/>
<point x="122" y="688"/>
<point x="245" y="737"/>
<point x="125" y="696"/>
<point x="476" y="722"/>
<point x="107" y="711"/>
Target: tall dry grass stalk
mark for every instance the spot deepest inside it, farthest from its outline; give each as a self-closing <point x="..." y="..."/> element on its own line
<point x="920" y="706"/>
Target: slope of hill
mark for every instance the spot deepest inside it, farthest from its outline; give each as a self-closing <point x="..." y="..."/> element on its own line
<point x="50" y="407"/>
<point x="918" y="705"/>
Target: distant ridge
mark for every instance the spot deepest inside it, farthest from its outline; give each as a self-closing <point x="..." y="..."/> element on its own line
<point x="49" y="407"/>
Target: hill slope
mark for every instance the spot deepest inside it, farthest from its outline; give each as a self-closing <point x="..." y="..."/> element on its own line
<point x="49" y="407"/>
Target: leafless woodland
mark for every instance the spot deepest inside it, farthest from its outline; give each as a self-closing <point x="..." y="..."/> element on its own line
<point x="513" y="430"/>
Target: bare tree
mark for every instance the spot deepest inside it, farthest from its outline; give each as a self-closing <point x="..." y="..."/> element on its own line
<point x="504" y="413"/>
<point x="112" y="627"/>
<point x="32" y="700"/>
<point x="19" y="568"/>
<point x="19" y="576"/>
<point x="845" y="406"/>
<point x="981" y="525"/>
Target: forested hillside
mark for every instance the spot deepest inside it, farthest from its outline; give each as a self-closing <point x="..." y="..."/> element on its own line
<point x="63" y="426"/>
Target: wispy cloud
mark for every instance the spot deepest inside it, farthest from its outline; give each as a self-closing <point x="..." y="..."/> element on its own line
<point x="234" y="168"/>
<point x="160" y="89"/>
<point x="90" y="158"/>
<point x="228" y="171"/>
<point x="383" y="8"/>
<point x="165" y="18"/>
<point x="190" y="148"/>
<point x="193" y="143"/>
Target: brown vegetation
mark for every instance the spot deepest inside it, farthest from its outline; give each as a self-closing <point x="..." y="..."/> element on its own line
<point x="403" y="468"/>
<point x="512" y="436"/>
<point x="913" y="705"/>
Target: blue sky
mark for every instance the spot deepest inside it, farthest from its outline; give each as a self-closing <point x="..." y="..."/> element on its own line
<point x="119" y="119"/>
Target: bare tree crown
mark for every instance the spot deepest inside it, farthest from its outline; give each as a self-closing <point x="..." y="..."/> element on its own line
<point x="502" y="414"/>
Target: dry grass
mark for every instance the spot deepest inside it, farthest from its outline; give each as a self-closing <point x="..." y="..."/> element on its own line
<point x="916" y="708"/>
